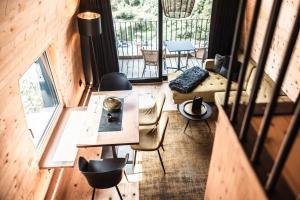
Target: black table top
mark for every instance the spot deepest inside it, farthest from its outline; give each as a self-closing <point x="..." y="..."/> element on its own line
<point x="174" y="46"/>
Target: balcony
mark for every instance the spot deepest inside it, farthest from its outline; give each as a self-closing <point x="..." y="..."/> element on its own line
<point x="132" y="36"/>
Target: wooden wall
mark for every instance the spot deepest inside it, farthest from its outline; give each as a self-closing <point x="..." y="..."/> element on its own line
<point x="287" y="17"/>
<point x="230" y="173"/>
<point x="27" y="28"/>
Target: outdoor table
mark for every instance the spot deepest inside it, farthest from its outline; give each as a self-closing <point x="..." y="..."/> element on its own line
<point x="179" y="46"/>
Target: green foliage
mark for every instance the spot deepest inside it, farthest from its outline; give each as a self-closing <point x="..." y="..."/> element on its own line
<point x="140" y="13"/>
<point x="125" y="16"/>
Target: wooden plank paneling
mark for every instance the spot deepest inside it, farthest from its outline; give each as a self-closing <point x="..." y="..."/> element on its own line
<point x="278" y="128"/>
<point x="27" y="28"/>
<point x="230" y="176"/>
<point x="291" y="85"/>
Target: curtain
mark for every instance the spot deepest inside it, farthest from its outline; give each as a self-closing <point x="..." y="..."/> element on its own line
<point x="106" y="56"/>
<point x="223" y="18"/>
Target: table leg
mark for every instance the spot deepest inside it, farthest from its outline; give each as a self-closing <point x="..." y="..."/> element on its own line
<point x="188" y="122"/>
<point x="208" y="126"/>
<point x="114" y="151"/>
<point x="178" y="65"/>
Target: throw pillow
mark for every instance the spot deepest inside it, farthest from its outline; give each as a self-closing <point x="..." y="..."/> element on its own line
<point x="236" y="70"/>
<point x="219" y="62"/>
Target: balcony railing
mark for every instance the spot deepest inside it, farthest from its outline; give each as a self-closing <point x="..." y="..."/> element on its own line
<point x="132" y="36"/>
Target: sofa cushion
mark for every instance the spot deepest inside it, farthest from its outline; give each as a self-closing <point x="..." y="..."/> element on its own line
<point x="285" y="104"/>
<point x="266" y="87"/>
<point x="206" y="89"/>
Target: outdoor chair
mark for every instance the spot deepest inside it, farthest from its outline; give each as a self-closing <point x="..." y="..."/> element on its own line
<point x="199" y="53"/>
<point x="151" y="59"/>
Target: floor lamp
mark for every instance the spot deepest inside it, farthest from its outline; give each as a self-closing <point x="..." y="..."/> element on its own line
<point x="89" y="24"/>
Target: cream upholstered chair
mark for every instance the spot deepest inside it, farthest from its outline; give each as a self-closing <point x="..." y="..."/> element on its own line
<point x="151" y="59"/>
<point x="151" y="138"/>
<point x="150" y="116"/>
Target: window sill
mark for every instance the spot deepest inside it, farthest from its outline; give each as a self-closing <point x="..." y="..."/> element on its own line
<point x="61" y="150"/>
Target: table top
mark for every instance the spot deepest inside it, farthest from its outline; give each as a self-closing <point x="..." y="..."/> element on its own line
<point x="196" y="118"/>
<point x="90" y="137"/>
<point x="174" y="46"/>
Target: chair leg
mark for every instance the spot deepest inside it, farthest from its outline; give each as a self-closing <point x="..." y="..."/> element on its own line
<point x="162" y="147"/>
<point x="134" y="159"/>
<point x="93" y="193"/>
<point x="161" y="162"/>
<point x="126" y="176"/>
<point x="120" y="195"/>
<point x="143" y="73"/>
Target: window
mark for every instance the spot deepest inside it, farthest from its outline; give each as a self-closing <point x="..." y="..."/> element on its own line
<point x="39" y="98"/>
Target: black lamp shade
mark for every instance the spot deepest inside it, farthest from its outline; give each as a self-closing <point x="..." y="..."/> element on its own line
<point x="89" y="23"/>
<point x="177" y="8"/>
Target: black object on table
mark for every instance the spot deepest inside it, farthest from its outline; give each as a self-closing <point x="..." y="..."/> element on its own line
<point x="195" y="116"/>
<point x="179" y="46"/>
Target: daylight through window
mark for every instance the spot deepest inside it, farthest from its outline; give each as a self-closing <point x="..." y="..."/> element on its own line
<point x="39" y="98"/>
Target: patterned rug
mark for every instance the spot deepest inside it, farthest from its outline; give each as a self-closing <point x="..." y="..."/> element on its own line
<point x="186" y="159"/>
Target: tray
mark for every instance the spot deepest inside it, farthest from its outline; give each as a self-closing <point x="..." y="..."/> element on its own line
<point x="187" y="108"/>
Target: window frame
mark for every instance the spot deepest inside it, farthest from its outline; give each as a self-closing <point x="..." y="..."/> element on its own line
<point x="46" y="70"/>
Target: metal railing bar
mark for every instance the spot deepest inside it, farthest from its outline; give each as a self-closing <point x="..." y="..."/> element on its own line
<point x="151" y="34"/>
<point x="156" y="24"/>
<point x="284" y="150"/>
<point x="264" y="128"/>
<point x="235" y="48"/>
<point x="131" y="35"/>
<point x="205" y="36"/>
<point x="146" y="42"/>
<point x="196" y="31"/>
<point x="261" y="66"/>
<point x="171" y="30"/>
<point x="244" y="66"/>
<point x="166" y="29"/>
<point x="126" y="36"/>
<point x="201" y="26"/>
<point x="121" y="38"/>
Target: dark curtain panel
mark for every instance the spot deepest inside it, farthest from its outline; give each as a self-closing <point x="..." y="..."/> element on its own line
<point x="223" y="18"/>
<point x="104" y="45"/>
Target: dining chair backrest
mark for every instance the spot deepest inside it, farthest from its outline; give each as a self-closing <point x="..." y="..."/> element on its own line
<point x="102" y="174"/>
<point x="159" y="104"/>
<point x="114" y="81"/>
<point x="161" y="128"/>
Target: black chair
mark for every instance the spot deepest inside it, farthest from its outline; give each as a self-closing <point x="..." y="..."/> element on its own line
<point x="114" y="81"/>
<point x="102" y="174"/>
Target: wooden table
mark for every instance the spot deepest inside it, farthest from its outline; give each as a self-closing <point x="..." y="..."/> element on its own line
<point x="179" y="46"/>
<point x="90" y="137"/>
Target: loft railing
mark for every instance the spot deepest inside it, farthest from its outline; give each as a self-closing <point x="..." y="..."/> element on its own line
<point x="242" y="124"/>
<point x="131" y="36"/>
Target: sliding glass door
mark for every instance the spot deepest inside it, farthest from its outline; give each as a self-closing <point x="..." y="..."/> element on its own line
<point x="141" y="31"/>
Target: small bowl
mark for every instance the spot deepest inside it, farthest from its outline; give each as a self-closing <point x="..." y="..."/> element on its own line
<point x="112" y="104"/>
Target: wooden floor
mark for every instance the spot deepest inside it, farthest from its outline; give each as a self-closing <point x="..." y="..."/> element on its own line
<point x="133" y="68"/>
<point x="72" y="184"/>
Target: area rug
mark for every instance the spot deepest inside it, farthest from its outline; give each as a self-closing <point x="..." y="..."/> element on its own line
<point x="186" y="159"/>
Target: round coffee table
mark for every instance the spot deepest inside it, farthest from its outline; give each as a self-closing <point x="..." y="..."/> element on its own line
<point x="195" y="117"/>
